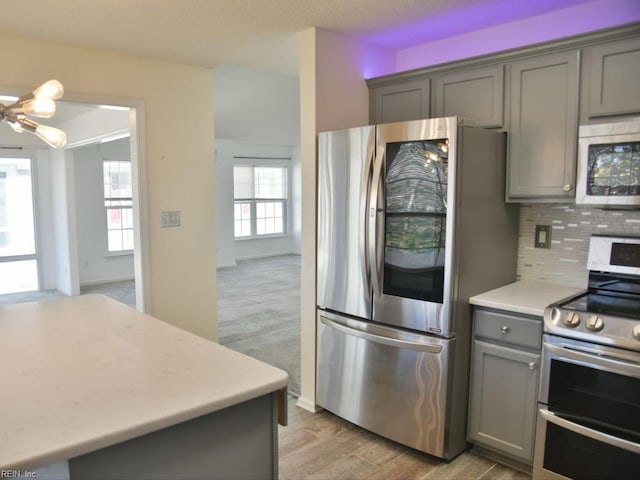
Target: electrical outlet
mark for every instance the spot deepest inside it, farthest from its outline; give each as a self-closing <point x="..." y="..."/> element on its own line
<point x="170" y="219"/>
<point x="543" y="236"/>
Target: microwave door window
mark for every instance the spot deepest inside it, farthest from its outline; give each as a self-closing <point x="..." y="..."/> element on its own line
<point x="415" y="223"/>
<point x="614" y="169"/>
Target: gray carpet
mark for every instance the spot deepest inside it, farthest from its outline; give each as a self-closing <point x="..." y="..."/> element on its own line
<point x="22" y="297"/>
<point x="259" y="312"/>
<point x="123" y="291"/>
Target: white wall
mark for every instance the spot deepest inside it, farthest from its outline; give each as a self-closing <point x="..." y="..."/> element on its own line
<point x="296" y="199"/>
<point x="95" y="124"/>
<point x="178" y="160"/>
<point x="225" y="243"/>
<point x="574" y="20"/>
<point x="63" y="219"/>
<point x="94" y="263"/>
<point x="333" y="95"/>
<point x="229" y="249"/>
<point x="44" y="220"/>
<point x="254" y="106"/>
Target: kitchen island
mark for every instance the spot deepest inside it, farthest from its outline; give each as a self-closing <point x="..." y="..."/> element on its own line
<point x="115" y="393"/>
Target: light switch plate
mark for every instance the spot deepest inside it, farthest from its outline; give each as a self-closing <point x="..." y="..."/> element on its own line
<point x="543" y="236"/>
<point x="170" y="219"/>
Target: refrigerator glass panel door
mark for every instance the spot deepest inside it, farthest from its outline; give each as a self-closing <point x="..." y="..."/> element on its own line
<point x="412" y="214"/>
<point x="415" y="221"/>
<point x="344" y="170"/>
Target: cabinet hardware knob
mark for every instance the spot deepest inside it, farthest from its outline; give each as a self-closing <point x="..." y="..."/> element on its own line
<point x="532" y="365"/>
<point x="566" y="187"/>
<point x="505" y="329"/>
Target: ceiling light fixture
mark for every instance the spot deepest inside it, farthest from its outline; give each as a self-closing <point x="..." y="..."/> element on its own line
<point x="39" y="103"/>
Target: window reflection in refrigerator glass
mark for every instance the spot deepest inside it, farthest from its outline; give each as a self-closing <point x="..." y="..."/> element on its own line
<point x="415" y="224"/>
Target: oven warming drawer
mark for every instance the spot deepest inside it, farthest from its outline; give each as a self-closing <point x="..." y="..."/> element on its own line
<point x="566" y="450"/>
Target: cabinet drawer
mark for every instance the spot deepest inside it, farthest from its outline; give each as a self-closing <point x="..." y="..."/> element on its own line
<point x="526" y="332"/>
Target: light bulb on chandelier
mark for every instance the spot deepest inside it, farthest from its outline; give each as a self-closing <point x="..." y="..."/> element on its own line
<point x="41" y="104"/>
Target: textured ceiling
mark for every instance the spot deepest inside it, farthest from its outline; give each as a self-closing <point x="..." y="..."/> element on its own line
<point x="256" y="33"/>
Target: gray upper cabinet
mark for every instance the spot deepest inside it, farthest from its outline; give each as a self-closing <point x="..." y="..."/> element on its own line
<point x="543" y="128"/>
<point x="537" y="94"/>
<point x="612" y="77"/>
<point x="475" y="94"/>
<point x="404" y="100"/>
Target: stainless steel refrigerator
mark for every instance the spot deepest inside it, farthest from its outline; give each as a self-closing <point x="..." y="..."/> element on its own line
<point x="411" y="223"/>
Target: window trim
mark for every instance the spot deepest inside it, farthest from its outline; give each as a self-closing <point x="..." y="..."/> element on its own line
<point x="257" y="162"/>
<point x="121" y="252"/>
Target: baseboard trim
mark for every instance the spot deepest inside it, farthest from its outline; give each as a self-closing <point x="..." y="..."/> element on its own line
<point x="105" y="280"/>
<point x="308" y="405"/>
<point x="502" y="458"/>
<point x="268" y="255"/>
<point x="226" y="265"/>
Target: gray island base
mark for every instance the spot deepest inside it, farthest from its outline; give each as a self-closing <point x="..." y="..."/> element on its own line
<point x="238" y="442"/>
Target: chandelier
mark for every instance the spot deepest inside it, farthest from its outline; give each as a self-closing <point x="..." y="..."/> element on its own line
<point x="39" y="103"/>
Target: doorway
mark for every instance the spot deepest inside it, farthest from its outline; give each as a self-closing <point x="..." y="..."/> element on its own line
<point x="52" y="259"/>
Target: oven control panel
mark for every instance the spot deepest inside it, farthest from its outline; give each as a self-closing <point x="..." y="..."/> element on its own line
<point x="614" y="254"/>
<point x="596" y="328"/>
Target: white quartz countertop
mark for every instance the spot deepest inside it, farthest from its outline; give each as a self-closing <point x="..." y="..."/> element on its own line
<point x="83" y="373"/>
<point x="524" y="297"/>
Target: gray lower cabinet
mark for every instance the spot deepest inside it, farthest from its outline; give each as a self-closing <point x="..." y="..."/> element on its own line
<point x="400" y="101"/>
<point x="611" y="75"/>
<point x="505" y="372"/>
<point x="475" y="94"/>
<point x="543" y="128"/>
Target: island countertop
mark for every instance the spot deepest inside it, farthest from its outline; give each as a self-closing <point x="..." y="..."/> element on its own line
<point x="524" y="296"/>
<point x="82" y="373"/>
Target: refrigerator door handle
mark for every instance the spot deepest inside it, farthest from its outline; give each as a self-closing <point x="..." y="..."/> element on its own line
<point x="365" y="188"/>
<point x="372" y="234"/>
<point x="380" y="337"/>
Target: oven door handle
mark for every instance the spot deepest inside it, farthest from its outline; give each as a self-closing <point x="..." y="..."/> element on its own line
<point x="589" y="432"/>
<point x="590" y="357"/>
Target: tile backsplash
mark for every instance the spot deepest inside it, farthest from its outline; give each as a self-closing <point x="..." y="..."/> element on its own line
<point x="565" y="263"/>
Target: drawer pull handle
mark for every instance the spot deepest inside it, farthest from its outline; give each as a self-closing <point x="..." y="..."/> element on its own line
<point x="532" y="365"/>
<point x="505" y="329"/>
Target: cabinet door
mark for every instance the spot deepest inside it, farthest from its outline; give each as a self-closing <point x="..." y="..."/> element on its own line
<point x="408" y="100"/>
<point x="475" y="94"/>
<point x="614" y="78"/>
<point x="503" y="399"/>
<point x="544" y="128"/>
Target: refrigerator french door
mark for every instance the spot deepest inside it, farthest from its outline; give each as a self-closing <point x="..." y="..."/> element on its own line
<point x="412" y="201"/>
<point x="397" y="242"/>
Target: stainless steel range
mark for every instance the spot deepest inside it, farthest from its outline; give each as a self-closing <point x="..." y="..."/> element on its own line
<point x="589" y="401"/>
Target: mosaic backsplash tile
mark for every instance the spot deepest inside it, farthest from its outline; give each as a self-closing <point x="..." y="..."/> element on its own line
<point x="565" y="263"/>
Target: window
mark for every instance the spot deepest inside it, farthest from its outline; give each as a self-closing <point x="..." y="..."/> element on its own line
<point x="118" y="204"/>
<point x="260" y="200"/>
<point x="18" y="259"/>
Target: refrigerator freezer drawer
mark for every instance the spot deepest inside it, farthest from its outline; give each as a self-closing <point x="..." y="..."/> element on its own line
<point x="391" y="382"/>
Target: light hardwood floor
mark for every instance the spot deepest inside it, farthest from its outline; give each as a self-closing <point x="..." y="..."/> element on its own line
<point x="322" y="446"/>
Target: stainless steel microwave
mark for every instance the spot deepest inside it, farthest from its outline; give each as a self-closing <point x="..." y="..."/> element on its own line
<point x="609" y="165"/>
